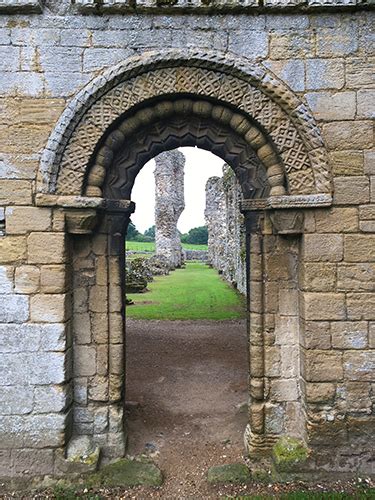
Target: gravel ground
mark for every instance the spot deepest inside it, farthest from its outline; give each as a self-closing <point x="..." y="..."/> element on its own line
<point x="186" y="408"/>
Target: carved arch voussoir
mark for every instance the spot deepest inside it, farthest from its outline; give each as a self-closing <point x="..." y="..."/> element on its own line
<point x="232" y="81"/>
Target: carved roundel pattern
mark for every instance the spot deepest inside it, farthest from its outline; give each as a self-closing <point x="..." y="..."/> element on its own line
<point x="235" y="82"/>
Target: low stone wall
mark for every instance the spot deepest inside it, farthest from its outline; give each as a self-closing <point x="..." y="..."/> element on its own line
<point x="196" y="255"/>
<point x="226" y="236"/>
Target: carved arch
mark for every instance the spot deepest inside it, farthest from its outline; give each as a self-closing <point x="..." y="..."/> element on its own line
<point x="256" y="98"/>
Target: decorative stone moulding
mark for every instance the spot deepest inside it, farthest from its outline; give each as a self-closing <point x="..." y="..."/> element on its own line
<point x="20" y="6"/>
<point x="81" y="212"/>
<point x="233" y="94"/>
<point x="116" y="6"/>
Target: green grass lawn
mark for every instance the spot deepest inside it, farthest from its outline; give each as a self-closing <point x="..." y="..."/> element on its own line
<point x="196" y="292"/>
<point x="140" y="246"/>
<point x="149" y="246"/>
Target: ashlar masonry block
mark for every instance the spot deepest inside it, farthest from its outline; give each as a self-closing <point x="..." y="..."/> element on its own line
<point x="46" y="248"/>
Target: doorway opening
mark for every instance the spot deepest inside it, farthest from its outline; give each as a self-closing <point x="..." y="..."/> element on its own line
<point x="186" y="343"/>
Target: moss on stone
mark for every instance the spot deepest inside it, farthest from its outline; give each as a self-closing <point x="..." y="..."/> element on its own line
<point x="130" y="473"/>
<point x="230" y="473"/>
<point x="288" y="452"/>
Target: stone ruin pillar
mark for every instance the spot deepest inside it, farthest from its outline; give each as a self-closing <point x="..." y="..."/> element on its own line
<point x="226" y="232"/>
<point x="169" y="204"/>
<point x="215" y="216"/>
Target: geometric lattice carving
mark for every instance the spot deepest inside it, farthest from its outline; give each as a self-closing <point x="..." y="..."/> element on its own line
<point x="237" y="83"/>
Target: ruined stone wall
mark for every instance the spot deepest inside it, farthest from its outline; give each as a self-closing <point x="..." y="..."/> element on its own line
<point x="314" y="298"/>
<point x="169" y="204"/>
<point x="226" y="236"/>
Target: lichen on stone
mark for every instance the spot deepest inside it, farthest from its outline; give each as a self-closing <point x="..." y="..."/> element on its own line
<point x="289" y="452"/>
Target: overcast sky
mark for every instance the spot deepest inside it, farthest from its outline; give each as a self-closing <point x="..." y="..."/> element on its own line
<point x="199" y="166"/>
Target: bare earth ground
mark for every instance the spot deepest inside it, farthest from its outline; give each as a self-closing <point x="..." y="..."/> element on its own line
<point x="186" y="393"/>
<point x="190" y="380"/>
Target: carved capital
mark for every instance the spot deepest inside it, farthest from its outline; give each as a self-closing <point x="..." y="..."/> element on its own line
<point x="288" y="221"/>
<point x="80" y="221"/>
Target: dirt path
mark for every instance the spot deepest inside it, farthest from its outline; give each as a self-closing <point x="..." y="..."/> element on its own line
<point x="187" y="381"/>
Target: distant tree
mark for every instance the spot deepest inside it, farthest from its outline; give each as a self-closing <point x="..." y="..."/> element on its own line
<point x="132" y="233"/>
<point x="150" y="233"/>
<point x="197" y="236"/>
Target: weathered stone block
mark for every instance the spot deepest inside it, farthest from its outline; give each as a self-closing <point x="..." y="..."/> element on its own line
<point x="288" y="302"/>
<point x="323" y="247"/>
<point x="361" y="306"/>
<point x="337" y="220"/>
<point x="256" y="43"/>
<point x="274" y="415"/>
<point x="356" y="277"/>
<point x="349" y="335"/>
<point x="98" y="299"/>
<point x="102" y="359"/>
<point x="289" y="361"/>
<point x="320" y="392"/>
<point x="290" y="71"/>
<point x="27" y="279"/>
<point x="372" y="334"/>
<point x="359" y="365"/>
<point x="53" y="337"/>
<point x="366" y="103"/>
<point x="272" y="359"/>
<point x="369" y="162"/>
<point x="347" y="192"/>
<point x="359" y="248"/>
<point x="21" y="220"/>
<point x="98" y="388"/>
<point x="292" y="45"/>
<point x="322" y="366"/>
<point x="360" y="72"/>
<point x="357" y="396"/>
<point x="347" y="162"/>
<point x="84" y="360"/>
<point x="31" y="462"/>
<point x="324" y="74"/>
<point x="53" y="279"/>
<point x="14" y="308"/>
<point x="46" y="248"/>
<point x="318" y="277"/>
<point x="284" y="390"/>
<point x="82" y="328"/>
<point x="6" y="279"/>
<point x="348" y="135"/>
<point x="15" y="192"/>
<point x="332" y="106"/>
<point x="323" y="306"/>
<point x="49" y="308"/>
<point x="316" y="335"/>
<point x="337" y="42"/>
<point x="12" y="249"/>
<point x="52" y="399"/>
<point x="16" y="400"/>
<point x="34" y="431"/>
<point x="286" y="330"/>
<point x="5" y="463"/>
<point x="99" y="327"/>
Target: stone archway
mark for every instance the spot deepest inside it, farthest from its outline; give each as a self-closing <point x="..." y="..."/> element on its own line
<point x="159" y="101"/>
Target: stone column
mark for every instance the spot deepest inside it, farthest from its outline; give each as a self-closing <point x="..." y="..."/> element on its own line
<point x="169" y="204"/>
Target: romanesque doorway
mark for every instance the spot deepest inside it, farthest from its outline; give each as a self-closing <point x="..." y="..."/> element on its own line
<point x="186" y="378"/>
<point x="239" y="111"/>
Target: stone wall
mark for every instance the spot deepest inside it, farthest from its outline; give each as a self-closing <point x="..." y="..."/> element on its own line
<point x="169" y="205"/>
<point x="226" y="234"/>
<point x="313" y="303"/>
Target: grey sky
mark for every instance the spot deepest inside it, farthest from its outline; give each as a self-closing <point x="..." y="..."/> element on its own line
<point x="200" y="165"/>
